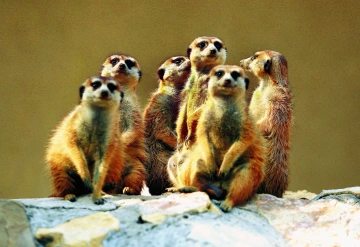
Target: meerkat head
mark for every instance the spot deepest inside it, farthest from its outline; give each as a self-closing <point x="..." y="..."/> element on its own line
<point x="206" y="52"/>
<point x="124" y="68"/>
<point x="267" y="64"/>
<point x="101" y="91"/>
<point x="175" y="71"/>
<point x="228" y="80"/>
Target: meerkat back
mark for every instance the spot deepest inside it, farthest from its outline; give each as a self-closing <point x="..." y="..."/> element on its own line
<point x="271" y="107"/>
<point x="160" y="116"/>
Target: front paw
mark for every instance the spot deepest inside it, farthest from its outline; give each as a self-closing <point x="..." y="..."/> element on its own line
<point x="70" y="197"/>
<point x="187" y="142"/>
<point x="129" y="191"/>
<point x="226" y="206"/>
<point x="172" y="189"/>
<point x="99" y="201"/>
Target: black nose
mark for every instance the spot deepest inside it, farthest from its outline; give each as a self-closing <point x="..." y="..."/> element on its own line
<point x="122" y="66"/>
<point x="104" y="94"/>
<point x="213" y="51"/>
<point x="227" y="82"/>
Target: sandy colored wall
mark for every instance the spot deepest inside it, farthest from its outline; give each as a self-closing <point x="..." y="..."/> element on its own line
<point x="49" y="48"/>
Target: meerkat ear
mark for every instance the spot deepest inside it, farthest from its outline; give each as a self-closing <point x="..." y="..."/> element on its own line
<point x="122" y="96"/>
<point x="247" y="82"/>
<point x="267" y="66"/>
<point x="188" y="52"/>
<point x="161" y="73"/>
<point x="81" y="91"/>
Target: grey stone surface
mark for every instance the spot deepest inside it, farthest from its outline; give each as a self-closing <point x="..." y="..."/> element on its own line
<point x="264" y="221"/>
<point x="14" y="225"/>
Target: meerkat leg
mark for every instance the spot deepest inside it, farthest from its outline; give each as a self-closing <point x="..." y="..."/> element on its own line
<point x="243" y="185"/>
<point x="134" y="178"/>
<point x="98" y="182"/>
<point x="192" y="122"/>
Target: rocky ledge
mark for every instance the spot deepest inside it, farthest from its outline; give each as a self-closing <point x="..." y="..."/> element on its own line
<point x="331" y="218"/>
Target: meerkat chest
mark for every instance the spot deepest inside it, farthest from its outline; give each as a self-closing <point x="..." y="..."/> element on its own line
<point x="224" y="125"/>
<point x="93" y="133"/>
<point x="198" y="93"/>
<point x="259" y="103"/>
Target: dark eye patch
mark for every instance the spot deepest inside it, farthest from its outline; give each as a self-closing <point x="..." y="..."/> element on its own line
<point x="202" y="45"/>
<point x="218" y="45"/>
<point x="114" y="61"/>
<point x="235" y="75"/>
<point x="178" y="60"/>
<point x="112" y="87"/>
<point x="219" y="74"/>
<point x="129" y="63"/>
<point x="96" y="84"/>
<point x="254" y="57"/>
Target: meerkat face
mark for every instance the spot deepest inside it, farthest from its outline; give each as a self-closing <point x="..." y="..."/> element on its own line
<point x="207" y="51"/>
<point x="226" y="80"/>
<point x="124" y="68"/>
<point x="101" y="91"/>
<point x="259" y="64"/>
<point x="175" y="71"/>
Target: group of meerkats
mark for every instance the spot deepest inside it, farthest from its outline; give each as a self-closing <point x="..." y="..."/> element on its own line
<point x="197" y="132"/>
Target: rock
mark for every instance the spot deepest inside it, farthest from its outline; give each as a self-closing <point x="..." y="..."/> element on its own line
<point x="310" y="223"/>
<point x="14" y="225"/>
<point x="156" y="211"/>
<point x="346" y="195"/>
<point x="189" y="220"/>
<point x="299" y="194"/>
<point x="85" y="231"/>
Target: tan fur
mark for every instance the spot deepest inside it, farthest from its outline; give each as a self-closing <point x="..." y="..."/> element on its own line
<point x="160" y="116"/>
<point x="127" y="70"/>
<point x="85" y="153"/>
<point x="271" y="107"/>
<point x="204" y="54"/>
<point x="228" y="152"/>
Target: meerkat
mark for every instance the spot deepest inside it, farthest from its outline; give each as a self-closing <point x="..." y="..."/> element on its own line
<point x="127" y="71"/>
<point x="204" y="54"/>
<point x="271" y="108"/>
<point x="229" y="151"/>
<point x="160" y="117"/>
<point x="85" y="153"/>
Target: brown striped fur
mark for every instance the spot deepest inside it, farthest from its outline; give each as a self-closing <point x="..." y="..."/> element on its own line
<point x="228" y="152"/>
<point x="160" y="116"/>
<point x="127" y="70"/>
<point x="271" y="107"/>
<point x="85" y="153"/>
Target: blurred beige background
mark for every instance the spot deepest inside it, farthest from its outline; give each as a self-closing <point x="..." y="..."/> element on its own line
<point x="49" y="48"/>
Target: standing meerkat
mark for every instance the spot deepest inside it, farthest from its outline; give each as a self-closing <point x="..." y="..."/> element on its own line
<point x="271" y="107"/>
<point x="160" y="116"/>
<point x="229" y="151"/>
<point x="127" y="71"/>
<point x="86" y="150"/>
<point x="204" y="54"/>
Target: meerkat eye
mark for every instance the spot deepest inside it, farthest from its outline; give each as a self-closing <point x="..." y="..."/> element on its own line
<point x="177" y="61"/>
<point x="254" y="57"/>
<point x="111" y="87"/>
<point x="202" y="45"/>
<point x="235" y="75"/>
<point x="96" y="84"/>
<point x="219" y="74"/>
<point x="129" y="63"/>
<point x="114" y="61"/>
<point x="218" y="45"/>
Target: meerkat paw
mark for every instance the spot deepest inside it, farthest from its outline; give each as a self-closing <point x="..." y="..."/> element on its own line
<point x="129" y="191"/>
<point x="70" y="197"/>
<point x="188" y="189"/>
<point x="226" y="206"/>
<point x="98" y="201"/>
<point x="223" y="173"/>
<point x="172" y="189"/>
